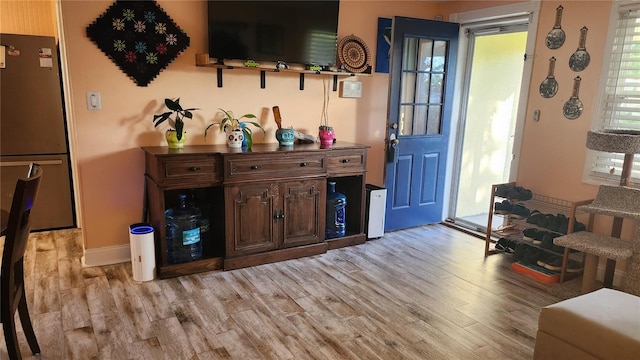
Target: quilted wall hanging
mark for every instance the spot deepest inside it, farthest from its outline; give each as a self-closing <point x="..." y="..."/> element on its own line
<point x="139" y="37"/>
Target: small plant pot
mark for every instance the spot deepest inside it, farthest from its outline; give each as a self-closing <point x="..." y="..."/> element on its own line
<point x="235" y="138"/>
<point x="326" y="137"/>
<point x="172" y="139"/>
<point x="285" y="137"/>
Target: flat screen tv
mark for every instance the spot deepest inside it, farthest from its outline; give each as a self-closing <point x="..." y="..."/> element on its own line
<point x="296" y="32"/>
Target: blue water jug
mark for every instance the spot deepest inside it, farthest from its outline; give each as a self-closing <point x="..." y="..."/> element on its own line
<point x="183" y="232"/>
<point x="335" y="226"/>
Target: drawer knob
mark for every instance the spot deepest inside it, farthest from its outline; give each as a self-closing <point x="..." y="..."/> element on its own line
<point x="344" y="161"/>
<point x="194" y="168"/>
<point x="255" y="167"/>
<point x="304" y="164"/>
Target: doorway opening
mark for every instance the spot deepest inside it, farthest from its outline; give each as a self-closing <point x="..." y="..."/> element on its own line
<point x="494" y="78"/>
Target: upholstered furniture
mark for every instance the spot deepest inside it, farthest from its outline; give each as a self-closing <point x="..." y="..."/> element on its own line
<point x="604" y="324"/>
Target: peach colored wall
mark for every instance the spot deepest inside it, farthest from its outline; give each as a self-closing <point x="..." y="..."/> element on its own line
<point x="554" y="137"/>
<point x="106" y="143"/>
<point x="553" y="149"/>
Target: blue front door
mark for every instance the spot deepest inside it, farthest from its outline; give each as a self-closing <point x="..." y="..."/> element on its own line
<point x="422" y="78"/>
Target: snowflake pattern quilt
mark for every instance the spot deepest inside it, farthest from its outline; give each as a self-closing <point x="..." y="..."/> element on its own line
<point x="139" y="37"/>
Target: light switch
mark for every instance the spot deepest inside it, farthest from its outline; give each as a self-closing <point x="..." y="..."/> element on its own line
<point x="93" y="101"/>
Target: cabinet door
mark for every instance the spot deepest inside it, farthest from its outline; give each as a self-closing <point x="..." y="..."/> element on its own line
<point x="303" y="205"/>
<point x="251" y="218"/>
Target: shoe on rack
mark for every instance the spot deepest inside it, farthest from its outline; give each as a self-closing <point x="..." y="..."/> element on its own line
<point x="532" y="255"/>
<point x="563" y="224"/>
<point x="578" y="226"/>
<point x="551" y="262"/>
<point x="502" y="208"/>
<point x="529" y="234"/>
<point x="557" y="223"/>
<point x="502" y="190"/>
<point x="501" y="244"/>
<point x="546" y="220"/>
<point x="519" y="193"/>
<point x="519" y="211"/>
<point x="547" y="241"/>
<point x="534" y="217"/>
<point x="519" y="252"/>
<point x="526" y="194"/>
<point x="537" y="240"/>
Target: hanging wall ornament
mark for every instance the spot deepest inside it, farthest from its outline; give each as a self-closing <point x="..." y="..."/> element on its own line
<point x="549" y="86"/>
<point x="573" y="107"/>
<point x="139" y="37"/>
<point x="354" y="54"/>
<point x="580" y="59"/>
<point x="555" y="37"/>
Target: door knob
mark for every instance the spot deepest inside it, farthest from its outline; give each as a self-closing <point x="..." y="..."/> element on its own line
<point x="393" y="126"/>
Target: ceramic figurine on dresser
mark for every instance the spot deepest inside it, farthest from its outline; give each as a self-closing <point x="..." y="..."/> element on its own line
<point x="236" y="131"/>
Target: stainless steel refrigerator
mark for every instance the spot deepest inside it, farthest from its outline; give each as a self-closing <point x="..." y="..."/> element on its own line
<point x="32" y="127"/>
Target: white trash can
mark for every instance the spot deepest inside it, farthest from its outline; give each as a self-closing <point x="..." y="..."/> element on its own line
<point x="143" y="259"/>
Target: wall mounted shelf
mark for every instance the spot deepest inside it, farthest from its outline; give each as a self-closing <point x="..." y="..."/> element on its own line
<point x="203" y="60"/>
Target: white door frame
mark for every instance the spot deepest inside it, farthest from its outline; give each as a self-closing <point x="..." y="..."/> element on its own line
<point x="489" y="16"/>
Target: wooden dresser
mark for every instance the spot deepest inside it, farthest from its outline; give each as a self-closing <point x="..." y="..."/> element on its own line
<point x="265" y="205"/>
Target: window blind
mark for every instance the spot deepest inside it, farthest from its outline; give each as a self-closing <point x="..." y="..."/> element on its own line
<point x="620" y="107"/>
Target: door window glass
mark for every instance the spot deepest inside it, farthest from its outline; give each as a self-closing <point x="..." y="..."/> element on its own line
<point x="422" y="88"/>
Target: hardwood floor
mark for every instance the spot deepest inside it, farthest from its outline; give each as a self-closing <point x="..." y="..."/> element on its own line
<point x="422" y="293"/>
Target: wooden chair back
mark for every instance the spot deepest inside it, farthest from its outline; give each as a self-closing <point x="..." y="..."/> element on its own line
<point x="12" y="289"/>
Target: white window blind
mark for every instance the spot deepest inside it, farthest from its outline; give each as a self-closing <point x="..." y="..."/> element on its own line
<point x="620" y="108"/>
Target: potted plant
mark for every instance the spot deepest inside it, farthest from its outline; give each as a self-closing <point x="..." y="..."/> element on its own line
<point x="237" y="131"/>
<point x="175" y="136"/>
<point x="325" y="132"/>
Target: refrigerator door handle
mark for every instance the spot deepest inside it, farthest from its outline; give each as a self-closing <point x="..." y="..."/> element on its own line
<point x="27" y="163"/>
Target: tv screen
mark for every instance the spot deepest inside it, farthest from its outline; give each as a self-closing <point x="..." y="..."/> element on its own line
<point x="296" y="32"/>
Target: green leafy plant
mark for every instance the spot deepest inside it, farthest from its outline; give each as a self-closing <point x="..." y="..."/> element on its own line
<point x="229" y="122"/>
<point x="177" y="110"/>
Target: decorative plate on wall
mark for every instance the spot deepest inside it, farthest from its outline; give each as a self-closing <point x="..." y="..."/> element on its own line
<point x="354" y="54"/>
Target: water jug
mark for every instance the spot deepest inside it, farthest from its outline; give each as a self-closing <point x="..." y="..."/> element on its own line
<point x="183" y="232"/>
<point x="336" y="203"/>
<point x="198" y="200"/>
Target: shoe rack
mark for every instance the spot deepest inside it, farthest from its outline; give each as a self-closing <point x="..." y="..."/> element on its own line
<point x="506" y="226"/>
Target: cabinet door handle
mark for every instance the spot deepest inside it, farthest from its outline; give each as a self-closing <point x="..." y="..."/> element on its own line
<point x="344" y="161"/>
<point x="304" y="164"/>
<point x="277" y="216"/>
<point x="255" y="167"/>
<point x="194" y="168"/>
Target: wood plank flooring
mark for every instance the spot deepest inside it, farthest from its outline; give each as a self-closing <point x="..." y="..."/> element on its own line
<point x="422" y="293"/>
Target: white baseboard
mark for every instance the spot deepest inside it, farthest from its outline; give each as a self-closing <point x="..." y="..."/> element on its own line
<point x="108" y="255"/>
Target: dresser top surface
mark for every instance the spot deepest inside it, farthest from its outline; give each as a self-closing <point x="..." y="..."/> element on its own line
<point x="257" y="149"/>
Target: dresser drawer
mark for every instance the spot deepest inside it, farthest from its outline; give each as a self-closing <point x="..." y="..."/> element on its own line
<point x="346" y="160"/>
<point x="190" y="169"/>
<point x="273" y="167"/>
